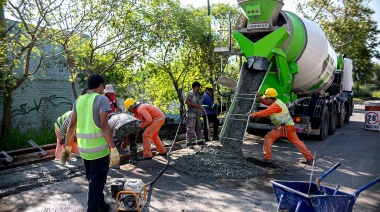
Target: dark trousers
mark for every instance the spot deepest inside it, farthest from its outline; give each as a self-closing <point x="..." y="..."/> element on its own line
<point x="211" y="119"/>
<point x="131" y="131"/>
<point x="96" y="174"/>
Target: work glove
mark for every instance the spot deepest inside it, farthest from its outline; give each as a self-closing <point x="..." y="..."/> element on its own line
<point x="114" y="157"/>
<point x="65" y="155"/>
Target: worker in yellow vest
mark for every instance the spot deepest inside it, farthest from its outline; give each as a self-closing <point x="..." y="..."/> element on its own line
<point x="89" y="120"/>
<point x="284" y="126"/>
<point x="60" y="128"/>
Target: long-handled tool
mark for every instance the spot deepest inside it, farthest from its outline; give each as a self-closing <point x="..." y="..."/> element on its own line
<point x="318" y="180"/>
<point x="311" y="175"/>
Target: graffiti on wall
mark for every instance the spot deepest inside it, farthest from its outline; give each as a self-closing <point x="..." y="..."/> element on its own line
<point x="53" y="99"/>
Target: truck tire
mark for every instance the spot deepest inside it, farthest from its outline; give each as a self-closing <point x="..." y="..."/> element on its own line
<point x="347" y="117"/>
<point x="342" y="116"/>
<point x="333" y="119"/>
<point x="324" y="127"/>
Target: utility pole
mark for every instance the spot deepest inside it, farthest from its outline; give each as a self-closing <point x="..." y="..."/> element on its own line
<point x="208" y="7"/>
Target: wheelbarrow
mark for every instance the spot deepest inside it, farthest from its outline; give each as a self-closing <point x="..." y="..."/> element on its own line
<point x="305" y="196"/>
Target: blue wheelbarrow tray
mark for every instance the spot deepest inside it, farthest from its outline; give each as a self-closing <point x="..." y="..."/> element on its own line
<point x="293" y="196"/>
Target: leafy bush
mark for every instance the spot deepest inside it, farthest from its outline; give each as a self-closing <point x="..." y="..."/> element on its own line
<point x="19" y="140"/>
<point x="362" y="93"/>
<point x="376" y="94"/>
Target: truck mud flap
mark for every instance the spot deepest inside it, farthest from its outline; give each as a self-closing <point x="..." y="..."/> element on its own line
<point x="235" y="125"/>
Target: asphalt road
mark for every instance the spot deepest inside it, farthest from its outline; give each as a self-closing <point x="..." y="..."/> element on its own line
<point x="355" y="148"/>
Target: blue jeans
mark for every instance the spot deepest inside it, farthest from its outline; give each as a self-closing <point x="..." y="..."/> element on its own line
<point x="96" y="174"/>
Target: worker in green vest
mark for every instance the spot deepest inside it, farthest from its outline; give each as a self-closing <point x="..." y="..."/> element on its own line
<point x="89" y="120"/>
<point x="60" y="128"/>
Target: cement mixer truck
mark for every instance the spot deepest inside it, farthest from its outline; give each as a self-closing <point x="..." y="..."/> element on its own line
<point x="292" y="55"/>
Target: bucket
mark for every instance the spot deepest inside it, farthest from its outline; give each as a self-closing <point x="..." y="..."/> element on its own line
<point x="372" y="115"/>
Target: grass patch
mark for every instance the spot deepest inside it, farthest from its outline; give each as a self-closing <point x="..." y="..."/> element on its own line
<point x="19" y="140"/>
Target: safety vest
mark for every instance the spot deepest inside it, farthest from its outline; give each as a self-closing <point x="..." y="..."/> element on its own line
<point x="91" y="142"/>
<point x="61" y="119"/>
<point x="282" y="117"/>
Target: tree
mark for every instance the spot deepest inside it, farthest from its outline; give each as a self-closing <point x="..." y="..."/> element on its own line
<point x="349" y="27"/>
<point x="97" y="35"/>
<point x="181" y="50"/>
<point x="25" y="40"/>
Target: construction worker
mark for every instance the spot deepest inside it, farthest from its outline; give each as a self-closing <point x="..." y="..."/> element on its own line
<point x="110" y="94"/>
<point x="193" y="121"/>
<point x="89" y="120"/>
<point x="284" y="126"/>
<point x="152" y="119"/>
<point x="210" y="108"/>
<point x="60" y="128"/>
<point x="125" y="130"/>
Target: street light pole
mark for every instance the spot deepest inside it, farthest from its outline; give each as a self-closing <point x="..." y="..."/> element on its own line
<point x="208" y="7"/>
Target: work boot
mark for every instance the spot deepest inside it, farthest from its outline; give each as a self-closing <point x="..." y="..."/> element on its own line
<point x="307" y="162"/>
<point x="265" y="160"/>
<point x="163" y="154"/>
<point x="133" y="161"/>
<point x="144" y="158"/>
<point x="201" y="143"/>
<point x="105" y="207"/>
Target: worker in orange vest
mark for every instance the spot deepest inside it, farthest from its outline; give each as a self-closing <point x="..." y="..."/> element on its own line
<point x="284" y="126"/>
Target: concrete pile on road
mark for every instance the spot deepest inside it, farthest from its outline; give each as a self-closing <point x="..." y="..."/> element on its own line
<point x="215" y="162"/>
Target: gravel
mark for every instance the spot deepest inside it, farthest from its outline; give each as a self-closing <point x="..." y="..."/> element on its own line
<point x="216" y="162"/>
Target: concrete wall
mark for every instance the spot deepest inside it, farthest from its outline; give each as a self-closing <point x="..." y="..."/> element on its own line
<point x="43" y="97"/>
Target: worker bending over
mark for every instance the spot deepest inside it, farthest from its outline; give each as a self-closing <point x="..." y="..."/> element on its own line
<point x="60" y="128"/>
<point x="152" y="119"/>
<point x="284" y="126"/>
<point x="125" y="131"/>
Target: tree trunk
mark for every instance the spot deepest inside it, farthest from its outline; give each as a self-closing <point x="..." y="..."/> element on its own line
<point x="74" y="90"/>
<point x="7" y="109"/>
<point x="7" y="99"/>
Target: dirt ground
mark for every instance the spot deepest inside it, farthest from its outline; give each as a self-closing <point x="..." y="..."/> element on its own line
<point x="41" y="187"/>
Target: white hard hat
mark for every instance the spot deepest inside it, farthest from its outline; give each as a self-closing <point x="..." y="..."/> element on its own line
<point x="108" y="89"/>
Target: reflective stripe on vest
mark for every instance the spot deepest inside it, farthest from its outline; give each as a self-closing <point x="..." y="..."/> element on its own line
<point x="213" y="105"/>
<point x="93" y="150"/>
<point x="283" y="117"/>
<point x="96" y="135"/>
<point x="61" y="119"/>
<point x="91" y="142"/>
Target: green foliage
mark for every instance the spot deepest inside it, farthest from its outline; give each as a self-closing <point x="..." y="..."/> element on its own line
<point x="367" y="91"/>
<point x="151" y="50"/>
<point x="17" y="140"/>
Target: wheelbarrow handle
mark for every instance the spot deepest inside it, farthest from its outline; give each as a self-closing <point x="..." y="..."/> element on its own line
<point x="356" y="193"/>
<point x="329" y="171"/>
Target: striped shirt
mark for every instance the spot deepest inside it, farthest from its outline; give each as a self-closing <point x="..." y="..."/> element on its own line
<point x="64" y="126"/>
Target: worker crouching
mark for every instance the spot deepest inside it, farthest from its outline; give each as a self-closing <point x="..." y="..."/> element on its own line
<point x="125" y="130"/>
<point x="284" y="126"/>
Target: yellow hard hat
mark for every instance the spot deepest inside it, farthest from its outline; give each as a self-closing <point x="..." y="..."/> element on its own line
<point x="128" y="103"/>
<point x="270" y="92"/>
<point x="208" y="86"/>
